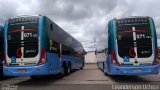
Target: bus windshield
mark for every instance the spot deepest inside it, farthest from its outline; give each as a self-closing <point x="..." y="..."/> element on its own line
<point x="22" y="37"/>
<point x="134" y="33"/>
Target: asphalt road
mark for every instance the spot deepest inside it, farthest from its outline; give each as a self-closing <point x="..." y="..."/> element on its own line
<point x="89" y="78"/>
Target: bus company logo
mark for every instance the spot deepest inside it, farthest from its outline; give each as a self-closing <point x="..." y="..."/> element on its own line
<point x="18" y="52"/>
<point x="23" y="20"/>
<point x="133" y="20"/>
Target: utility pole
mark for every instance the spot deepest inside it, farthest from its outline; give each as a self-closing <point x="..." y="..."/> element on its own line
<point x="95" y="49"/>
<point x="94" y="43"/>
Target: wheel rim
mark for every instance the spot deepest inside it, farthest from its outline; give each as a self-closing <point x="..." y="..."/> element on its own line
<point x="69" y="69"/>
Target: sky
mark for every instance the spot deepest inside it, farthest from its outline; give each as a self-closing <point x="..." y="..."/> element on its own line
<point x="83" y="19"/>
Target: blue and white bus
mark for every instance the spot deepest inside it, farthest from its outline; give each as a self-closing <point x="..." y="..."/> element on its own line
<point x="35" y="45"/>
<point x="131" y="47"/>
<point x="1" y="50"/>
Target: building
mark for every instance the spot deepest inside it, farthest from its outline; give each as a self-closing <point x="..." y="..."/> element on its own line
<point x="90" y="57"/>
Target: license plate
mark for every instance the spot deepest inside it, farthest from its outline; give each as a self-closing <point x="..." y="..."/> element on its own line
<point x="22" y="70"/>
<point x="136" y="70"/>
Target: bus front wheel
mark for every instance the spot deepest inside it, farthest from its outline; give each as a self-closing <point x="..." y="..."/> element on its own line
<point x="68" y="69"/>
<point x="103" y="67"/>
<point x="65" y="69"/>
<point x="62" y="73"/>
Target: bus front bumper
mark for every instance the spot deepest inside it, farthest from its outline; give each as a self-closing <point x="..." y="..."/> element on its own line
<point x="25" y="70"/>
<point x="134" y="70"/>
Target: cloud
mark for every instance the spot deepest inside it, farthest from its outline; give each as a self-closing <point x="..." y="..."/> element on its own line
<point x="7" y="10"/>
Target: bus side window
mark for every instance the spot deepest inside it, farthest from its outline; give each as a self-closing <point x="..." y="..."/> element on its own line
<point x="59" y="50"/>
<point x="51" y="27"/>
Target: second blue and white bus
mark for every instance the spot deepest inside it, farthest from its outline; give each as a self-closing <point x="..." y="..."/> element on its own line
<point x="35" y="45"/>
<point x="130" y="47"/>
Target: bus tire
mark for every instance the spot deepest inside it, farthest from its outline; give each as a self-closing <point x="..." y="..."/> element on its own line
<point x="62" y="73"/>
<point x="68" y="68"/>
<point x="106" y="74"/>
<point x="82" y="65"/>
<point x="103" y="67"/>
<point x="65" y="69"/>
<point x="81" y="68"/>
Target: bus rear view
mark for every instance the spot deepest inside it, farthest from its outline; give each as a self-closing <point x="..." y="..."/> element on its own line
<point x="135" y="46"/>
<point x="132" y="47"/>
<point x="21" y="44"/>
